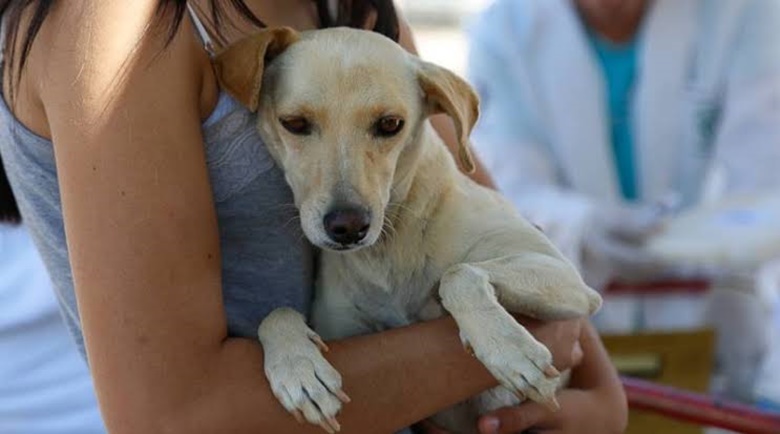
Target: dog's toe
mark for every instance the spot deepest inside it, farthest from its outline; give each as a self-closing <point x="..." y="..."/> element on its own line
<point x="519" y="363"/>
<point x="300" y="387"/>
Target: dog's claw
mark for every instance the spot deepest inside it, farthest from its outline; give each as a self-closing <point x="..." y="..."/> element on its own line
<point x="334" y="423"/>
<point x="329" y="429"/>
<point x="551" y="372"/>
<point x="343" y="397"/>
<point x="319" y="342"/>
<point x="552" y="404"/>
<point x="298" y="416"/>
<point x="469" y="349"/>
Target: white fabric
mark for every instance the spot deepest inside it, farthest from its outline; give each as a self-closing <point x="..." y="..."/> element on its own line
<point x="748" y="229"/>
<point x="707" y="103"/>
<point x="45" y="387"/>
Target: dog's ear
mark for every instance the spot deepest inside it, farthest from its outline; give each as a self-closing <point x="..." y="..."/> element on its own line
<point x="447" y="93"/>
<point x="239" y="68"/>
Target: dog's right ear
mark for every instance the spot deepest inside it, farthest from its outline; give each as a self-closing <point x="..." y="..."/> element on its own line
<point x="239" y="68"/>
<point x="447" y="93"/>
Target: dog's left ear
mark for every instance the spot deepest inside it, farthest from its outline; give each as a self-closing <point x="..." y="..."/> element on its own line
<point x="447" y="93"/>
<point x="239" y="68"/>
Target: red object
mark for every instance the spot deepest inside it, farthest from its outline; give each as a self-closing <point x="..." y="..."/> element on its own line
<point x="698" y="409"/>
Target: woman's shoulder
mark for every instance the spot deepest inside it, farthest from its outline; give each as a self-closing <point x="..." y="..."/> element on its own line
<point x="92" y="49"/>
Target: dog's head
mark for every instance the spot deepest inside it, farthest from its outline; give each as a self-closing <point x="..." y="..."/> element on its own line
<point x="341" y="110"/>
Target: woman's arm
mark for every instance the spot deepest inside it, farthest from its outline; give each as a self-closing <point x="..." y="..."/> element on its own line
<point x="124" y="114"/>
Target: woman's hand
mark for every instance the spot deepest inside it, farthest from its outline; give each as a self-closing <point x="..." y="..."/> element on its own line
<point x="581" y="411"/>
<point x="595" y="401"/>
<point x="562" y="338"/>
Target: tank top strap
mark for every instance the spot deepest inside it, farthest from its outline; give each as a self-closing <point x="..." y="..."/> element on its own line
<point x="2" y="39"/>
<point x="203" y="33"/>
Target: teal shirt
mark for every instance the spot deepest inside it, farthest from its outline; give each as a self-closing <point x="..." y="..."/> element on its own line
<point x="619" y="64"/>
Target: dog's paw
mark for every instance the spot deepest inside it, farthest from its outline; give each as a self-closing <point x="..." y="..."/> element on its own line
<point x="519" y="362"/>
<point x="301" y="379"/>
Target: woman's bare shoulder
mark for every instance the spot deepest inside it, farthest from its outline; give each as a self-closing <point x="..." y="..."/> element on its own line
<point x="87" y="53"/>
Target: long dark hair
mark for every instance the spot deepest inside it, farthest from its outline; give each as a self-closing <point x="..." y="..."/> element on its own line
<point x="352" y="13"/>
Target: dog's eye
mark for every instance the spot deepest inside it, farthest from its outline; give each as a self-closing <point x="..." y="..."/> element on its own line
<point x="388" y="126"/>
<point x="296" y="125"/>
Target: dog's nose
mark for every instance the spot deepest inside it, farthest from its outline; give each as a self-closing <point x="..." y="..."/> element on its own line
<point x="347" y="225"/>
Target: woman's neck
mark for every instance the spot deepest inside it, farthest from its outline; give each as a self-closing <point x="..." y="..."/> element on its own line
<point x="616" y="21"/>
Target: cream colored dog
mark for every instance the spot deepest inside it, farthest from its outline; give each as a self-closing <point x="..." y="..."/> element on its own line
<point x="405" y="236"/>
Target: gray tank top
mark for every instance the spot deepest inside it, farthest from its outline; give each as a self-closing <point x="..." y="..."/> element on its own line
<point x="266" y="261"/>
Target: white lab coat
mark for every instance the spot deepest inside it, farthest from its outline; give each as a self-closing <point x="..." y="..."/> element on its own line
<point x="45" y="386"/>
<point x="705" y="122"/>
<point x="706" y="107"/>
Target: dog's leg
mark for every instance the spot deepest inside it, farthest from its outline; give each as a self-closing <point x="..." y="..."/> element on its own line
<point x="506" y="348"/>
<point x="303" y="381"/>
<point x="540" y="286"/>
<point x="532" y="284"/>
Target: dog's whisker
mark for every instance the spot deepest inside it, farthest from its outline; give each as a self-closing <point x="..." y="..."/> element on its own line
<point x="284" y="205"/>
<point x="397" y="207"/>
<point x="388" y="228"/>
<point x="291" y="220"/>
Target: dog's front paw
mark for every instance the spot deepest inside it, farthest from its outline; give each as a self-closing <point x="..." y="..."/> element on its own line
<point x="517" y="360"/>
<point x="300" y="377"/>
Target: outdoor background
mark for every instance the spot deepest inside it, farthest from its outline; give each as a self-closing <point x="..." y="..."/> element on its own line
<point x="439" y="27"/>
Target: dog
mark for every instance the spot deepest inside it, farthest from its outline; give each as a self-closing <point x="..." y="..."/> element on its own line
<point x="405" y="236"/>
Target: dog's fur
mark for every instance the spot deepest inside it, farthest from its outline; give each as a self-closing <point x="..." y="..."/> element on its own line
<point x="438" y="243"/>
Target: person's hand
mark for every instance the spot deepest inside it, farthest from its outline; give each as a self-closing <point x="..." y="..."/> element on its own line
<point x="594" y="403"/>
<point x="562" y="338"/>
<point x="579" y="408"/>
<point x="617" y="238"/>
<point x="581" y="411"/>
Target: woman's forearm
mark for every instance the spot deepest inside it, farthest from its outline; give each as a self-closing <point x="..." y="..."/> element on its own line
<point x="394" y="378"/>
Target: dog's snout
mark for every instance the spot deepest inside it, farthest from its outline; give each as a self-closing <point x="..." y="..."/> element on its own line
<point x="347" y="226"/>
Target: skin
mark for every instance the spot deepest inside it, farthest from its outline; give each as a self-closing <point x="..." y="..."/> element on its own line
<point x="615" y="20"/>
<point x="594" y="399"/>
<point x="157" y="340"/>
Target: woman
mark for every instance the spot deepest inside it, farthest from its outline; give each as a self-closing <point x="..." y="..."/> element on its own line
<point x="175" y="253"/>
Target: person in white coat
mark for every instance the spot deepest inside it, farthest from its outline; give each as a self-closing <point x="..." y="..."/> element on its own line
<point x="45" y="387"/>
<point x="600" y="116"/>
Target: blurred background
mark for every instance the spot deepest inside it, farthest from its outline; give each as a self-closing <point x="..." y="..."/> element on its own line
<point x="439" y="29"/>
<point x="694" y="330"/>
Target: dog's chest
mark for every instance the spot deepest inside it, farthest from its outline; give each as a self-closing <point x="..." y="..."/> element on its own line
<point x="393" y="287"/>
